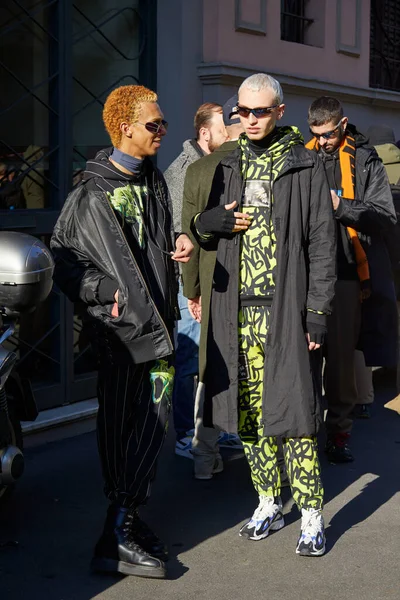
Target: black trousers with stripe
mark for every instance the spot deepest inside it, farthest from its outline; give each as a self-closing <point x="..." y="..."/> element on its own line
<point x="131" y="430"/>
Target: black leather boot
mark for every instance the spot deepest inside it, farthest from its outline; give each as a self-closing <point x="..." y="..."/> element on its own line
<point x="119" y="551"/>
<point x="146" y="538"/>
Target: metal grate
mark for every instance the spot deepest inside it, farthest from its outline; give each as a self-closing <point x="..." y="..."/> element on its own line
<point x="59" y="59"/>
<point x="294" y="23"/>
<point x="53" y="77"/>
<point x="385" y="45"/>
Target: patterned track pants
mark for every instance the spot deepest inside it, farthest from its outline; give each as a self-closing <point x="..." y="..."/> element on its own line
<point x="301" y="457"/>
<point x="134" y="404"/>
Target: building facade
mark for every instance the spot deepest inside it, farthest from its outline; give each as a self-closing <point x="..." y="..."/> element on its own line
<point x="346" y="48"/>
<point x="59" y="60"/>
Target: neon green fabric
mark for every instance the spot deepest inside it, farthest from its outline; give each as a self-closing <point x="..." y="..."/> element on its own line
<point x="258" y="243"/>
<point x="301" y="457"/>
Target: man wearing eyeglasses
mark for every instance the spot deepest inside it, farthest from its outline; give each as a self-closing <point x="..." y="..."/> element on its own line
<point x="116" y="254"/>
<point x="270" y="221"/>
<point x="364" y="313"/>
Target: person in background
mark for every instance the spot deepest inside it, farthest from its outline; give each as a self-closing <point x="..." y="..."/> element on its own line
<point x="383" y="139"/>
<point x="364" y="387"/>
<point x="33" y="180"/>
<point x="11" y="194"/>
<point x="197" y="282"/>
<point x="269" y="219"/>
<point x="364" y="309"/>
<point x="210" y="134"/>
<point x="116" y="254"/>
<point x="3" y="173"/>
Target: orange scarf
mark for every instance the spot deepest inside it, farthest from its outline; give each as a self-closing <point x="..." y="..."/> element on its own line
<point x="347" y="159"/>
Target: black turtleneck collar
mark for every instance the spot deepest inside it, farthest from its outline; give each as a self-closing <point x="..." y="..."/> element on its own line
<point x="261" y="146"/>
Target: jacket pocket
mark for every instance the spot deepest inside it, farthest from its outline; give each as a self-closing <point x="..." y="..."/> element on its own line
<point x="103" y="312"/>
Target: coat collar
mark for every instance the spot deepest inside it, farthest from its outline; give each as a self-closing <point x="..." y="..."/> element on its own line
<point x="298" y="158"/>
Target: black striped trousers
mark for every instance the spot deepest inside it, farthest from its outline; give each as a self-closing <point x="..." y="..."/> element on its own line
<point x="131" y="430"/>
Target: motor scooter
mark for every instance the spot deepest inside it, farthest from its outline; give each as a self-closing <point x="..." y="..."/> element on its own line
<point x="26" y="270"/>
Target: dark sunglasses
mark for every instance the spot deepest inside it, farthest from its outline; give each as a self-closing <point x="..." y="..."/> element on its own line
<point x="154" y="127"/>
<point x="243" y="111"/>
<point x="328" y="134"/>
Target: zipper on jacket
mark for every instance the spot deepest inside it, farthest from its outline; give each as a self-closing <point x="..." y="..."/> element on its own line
<point x="141" y="277"/>
<point x="241" y="195"/>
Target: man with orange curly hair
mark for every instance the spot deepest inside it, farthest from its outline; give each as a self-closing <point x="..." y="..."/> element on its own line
<point x="116" y="254"/>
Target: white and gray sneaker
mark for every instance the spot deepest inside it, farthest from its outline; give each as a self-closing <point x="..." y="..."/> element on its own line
<point x="230" y="440"/>
<point x="267" y="517"/>
<point x="183" y="447"/>
<point x="312" y="537"/>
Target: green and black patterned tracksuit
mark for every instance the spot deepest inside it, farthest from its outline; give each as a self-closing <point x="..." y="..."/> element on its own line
<point x="257" y="283"/>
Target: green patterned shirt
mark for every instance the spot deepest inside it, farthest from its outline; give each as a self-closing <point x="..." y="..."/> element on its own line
<point x="258" y="243"/>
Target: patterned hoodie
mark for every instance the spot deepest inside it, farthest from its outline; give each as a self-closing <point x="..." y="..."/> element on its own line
<point x="258" y="243"/>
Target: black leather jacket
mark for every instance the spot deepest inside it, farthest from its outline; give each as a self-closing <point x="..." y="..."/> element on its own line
<point x="91" y="253"/>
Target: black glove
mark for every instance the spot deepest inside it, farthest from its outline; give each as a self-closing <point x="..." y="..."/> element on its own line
<point x="106" y="290"/>
<point x="316" y="327"/>
<point x="215" y="220"/>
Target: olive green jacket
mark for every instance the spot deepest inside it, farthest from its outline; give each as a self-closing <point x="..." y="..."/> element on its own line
<point x="198" y="272"/>
<point x="390" y="156"/>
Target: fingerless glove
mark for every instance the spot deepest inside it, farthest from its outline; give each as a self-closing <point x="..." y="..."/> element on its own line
<point x="215" y="220"/>
<point x="316" y="327"/>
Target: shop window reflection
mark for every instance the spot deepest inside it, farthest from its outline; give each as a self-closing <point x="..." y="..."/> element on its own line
<point x="22" y="179"/>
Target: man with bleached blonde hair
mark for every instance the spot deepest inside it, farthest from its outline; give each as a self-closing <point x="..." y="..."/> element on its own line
<point x="269" y="220"/>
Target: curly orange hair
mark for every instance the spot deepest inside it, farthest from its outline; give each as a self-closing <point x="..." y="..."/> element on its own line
<point x="123" y="104"/>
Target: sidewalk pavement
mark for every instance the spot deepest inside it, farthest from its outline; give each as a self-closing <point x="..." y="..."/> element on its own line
<point x="49" y="526"/>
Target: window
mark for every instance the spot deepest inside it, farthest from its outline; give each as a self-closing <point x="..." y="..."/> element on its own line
<point x="59" y="59"/>
<point x="385" y="45"/>
<point x="303" y="22"/>
<point x="293" y="21"/>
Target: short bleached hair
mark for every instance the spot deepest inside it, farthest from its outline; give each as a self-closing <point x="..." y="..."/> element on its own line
<point x="262" y="81"/>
